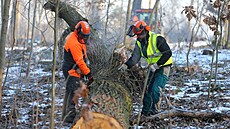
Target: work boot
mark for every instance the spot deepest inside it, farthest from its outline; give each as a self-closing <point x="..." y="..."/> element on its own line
<point x="146" y="114"/>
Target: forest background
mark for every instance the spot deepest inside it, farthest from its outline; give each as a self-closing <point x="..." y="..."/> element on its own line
<point x="31" y="72"/>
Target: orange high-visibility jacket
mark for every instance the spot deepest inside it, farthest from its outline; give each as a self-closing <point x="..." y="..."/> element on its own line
<point x="75" y="53"/>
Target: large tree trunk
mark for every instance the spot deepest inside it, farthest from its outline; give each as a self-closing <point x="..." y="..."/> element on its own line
<point x="111" y="101"/>
<point x="68" y="13"/>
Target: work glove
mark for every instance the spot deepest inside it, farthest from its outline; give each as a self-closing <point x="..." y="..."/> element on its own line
<point x="154" y="67"/>
<point x="89" y="79"/>
<point x="123" y="67"/>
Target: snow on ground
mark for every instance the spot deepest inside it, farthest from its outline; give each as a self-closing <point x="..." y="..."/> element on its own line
<point x="37" y="92"/>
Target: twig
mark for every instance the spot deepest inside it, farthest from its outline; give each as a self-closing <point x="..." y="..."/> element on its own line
<point x="142" y="97"/>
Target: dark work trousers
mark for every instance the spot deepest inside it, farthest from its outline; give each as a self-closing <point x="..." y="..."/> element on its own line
<point x="69" y="111"/>
<point x="156" y="84"/>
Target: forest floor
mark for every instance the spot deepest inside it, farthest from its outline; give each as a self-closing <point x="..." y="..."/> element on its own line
<point x="27" y="102"/>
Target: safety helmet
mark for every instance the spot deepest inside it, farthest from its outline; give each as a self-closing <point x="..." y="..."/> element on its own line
<point x="137" y="28"/>
<point x="83" y="28"/>
<point x="135" y="19"/>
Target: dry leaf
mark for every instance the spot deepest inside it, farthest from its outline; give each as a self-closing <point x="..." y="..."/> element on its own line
<point x="210" y="20"/>
<point x="83" y="92"/>
<point x="217" y="4"/>
<point x="190" y="12"/>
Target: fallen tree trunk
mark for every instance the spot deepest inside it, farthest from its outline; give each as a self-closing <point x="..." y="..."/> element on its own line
<point x="66" y="12"/>
<point x="176" y="112"/>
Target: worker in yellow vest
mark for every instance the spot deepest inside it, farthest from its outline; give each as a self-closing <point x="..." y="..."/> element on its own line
<point x="154" y="48"/>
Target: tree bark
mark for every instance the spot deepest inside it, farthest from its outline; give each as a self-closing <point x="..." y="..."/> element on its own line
<point x="128" y="15"/>
<point x="111" y="100"/>
<point x="52" y="118"/>
<point x="5" y="20"/>
<point x="227" y="34"/>
<point x="155" y="7"/>
<point x="66" y="12"/>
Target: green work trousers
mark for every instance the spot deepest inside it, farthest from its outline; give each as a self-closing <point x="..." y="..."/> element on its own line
<point x="156" y="83"/>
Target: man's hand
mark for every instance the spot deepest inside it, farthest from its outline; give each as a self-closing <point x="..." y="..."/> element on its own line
<point x="89" y="79"/>
<point x="154" y="67"/>
<point x="123" y="67"/>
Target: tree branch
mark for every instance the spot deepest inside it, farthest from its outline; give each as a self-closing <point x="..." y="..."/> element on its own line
<point x="66" y="12"/>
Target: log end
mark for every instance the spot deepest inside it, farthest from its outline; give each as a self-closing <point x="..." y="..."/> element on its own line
<point x="99" y="121"/>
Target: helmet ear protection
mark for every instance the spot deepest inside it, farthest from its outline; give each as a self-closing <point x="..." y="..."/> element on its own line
<point x="78" y="29"/>
<point x="83" y="27"/>
<point x="147" y="28"/>
<point x="141" y="27"/>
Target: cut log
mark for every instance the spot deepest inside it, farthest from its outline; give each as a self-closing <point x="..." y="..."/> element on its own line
<point x="100" y="121"/>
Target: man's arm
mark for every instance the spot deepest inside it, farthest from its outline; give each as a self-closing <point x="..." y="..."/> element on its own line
<point x="136" y="56"/>
<point x="164" y="49"/>
<point x="77" y="54"/>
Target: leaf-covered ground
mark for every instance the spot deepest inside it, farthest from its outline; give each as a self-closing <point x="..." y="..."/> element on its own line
<point x="27" y="102"/>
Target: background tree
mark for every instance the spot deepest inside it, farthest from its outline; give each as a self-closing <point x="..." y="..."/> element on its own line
<point x="3" y="40"/>
<point x="23" y="101"/>
<point x="52" y="119"/>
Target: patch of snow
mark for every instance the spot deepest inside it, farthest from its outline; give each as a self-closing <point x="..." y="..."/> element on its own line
<point x="220" y="109"/>
<point x="178" y="95"/>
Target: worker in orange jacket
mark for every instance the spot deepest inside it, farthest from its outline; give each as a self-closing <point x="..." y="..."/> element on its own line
<point x="75" y="67"/>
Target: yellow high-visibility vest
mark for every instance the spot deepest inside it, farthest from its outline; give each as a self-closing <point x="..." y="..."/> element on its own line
<point x="153" y="52"/>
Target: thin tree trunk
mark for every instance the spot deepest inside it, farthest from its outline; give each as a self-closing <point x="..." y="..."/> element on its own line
<point x="2" y="8"/>
<point x="14" y="38"/>
<point x="18" y="17"/>
<point x="28" y="26"/>
<point x="215" y="50"/>
<point x="52" y="118"/>
<point x="228" y="26"/>
<point x="153" y="14"/>
<point x="219" y="42"/>
<point x="228" y="35"/>
<point x="107" y="17"/>
<point x="32" y="40"/>
<point x="190" y="42"/>
<point x="37" y="108"/>
<point x="193" y="35"/>
<point x="5" y="20"/>
<point x="40" y="12"/>
<point x="128" y="15"/>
